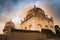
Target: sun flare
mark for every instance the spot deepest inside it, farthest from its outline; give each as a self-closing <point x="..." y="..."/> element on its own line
<point x="16" y="20"/>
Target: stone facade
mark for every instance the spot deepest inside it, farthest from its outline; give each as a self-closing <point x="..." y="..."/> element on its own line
<point x="17" y="34"/>
<point x="3" y="37"/>
<point x="26" y="35"/>
<point x="37" y="20"/>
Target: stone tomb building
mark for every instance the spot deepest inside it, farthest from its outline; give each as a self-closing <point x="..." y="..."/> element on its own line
<point x="36" y="19"/>
<point x="36" y="26"/>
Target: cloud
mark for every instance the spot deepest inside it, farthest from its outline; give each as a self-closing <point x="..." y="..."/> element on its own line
<point x="54" y="5"/>
<point x="6" y="6"/>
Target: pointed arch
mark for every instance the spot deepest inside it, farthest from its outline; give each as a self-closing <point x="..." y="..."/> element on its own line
<point x="40" y="25"/>
<point x="46" y="26"/>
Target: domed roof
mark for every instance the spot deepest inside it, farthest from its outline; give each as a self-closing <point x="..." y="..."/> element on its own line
<point x="35" y="10"/>
<point x="9" y="24"/>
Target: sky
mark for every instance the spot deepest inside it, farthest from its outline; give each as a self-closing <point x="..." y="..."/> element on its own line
<point x="17" y="10"/>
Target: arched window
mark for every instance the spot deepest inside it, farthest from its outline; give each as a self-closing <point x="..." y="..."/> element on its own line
<point x="25" y="28"/>
<point x="40" y="25"/>
<point x="52" y="27"/>
<point x="30" y="27"/>
<point x="46" y="26"/>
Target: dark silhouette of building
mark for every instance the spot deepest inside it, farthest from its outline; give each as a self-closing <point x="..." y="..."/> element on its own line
<point x="57" y="29"/>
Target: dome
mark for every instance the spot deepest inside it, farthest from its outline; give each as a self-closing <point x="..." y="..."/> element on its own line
<point x="9" y="24"/>
<point x="35" y="10"/>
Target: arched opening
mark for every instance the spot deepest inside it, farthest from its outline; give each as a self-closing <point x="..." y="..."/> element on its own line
<point x="25" y="28"/>
<point x="51" y="27"/>
<point x="39" y="27"/>
<point x="46" y="26"/>
<point x="30" y="27"/>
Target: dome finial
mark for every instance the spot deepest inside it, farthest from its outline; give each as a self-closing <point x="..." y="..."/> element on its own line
<point x="34" y="6"/>
<point x="10" y="20"/>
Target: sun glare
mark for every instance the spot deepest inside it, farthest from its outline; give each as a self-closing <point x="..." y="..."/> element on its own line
<point x="16" y="19"/>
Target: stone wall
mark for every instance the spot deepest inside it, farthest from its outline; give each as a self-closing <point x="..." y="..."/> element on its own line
<point x="33" y="24"/>
<point x="26" y="36"/>
<point x="3" y="37"/>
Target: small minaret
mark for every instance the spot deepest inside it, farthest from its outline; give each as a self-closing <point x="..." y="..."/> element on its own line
<point x="8" y="26"/>
<point x="51" y="18"/>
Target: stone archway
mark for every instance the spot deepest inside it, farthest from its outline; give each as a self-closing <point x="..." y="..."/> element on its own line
<point x="39" y="27"/>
